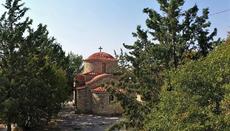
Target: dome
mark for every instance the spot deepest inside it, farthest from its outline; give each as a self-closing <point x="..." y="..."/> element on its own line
<point x="100" y="56"/>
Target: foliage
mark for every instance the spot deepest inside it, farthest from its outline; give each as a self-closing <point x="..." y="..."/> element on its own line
<point x="32" y="70"/>
<point x="74" y="67"/>
<point x="180" y="32"/>
<point x="173" y="38"/>
<point x="137" y="70"/>
<point x="199" y="99"/>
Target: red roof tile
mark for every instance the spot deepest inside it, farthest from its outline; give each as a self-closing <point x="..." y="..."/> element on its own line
<point x="98" y="78"/>
<point x="100" y="56"/>
<point x="99" y="90"/>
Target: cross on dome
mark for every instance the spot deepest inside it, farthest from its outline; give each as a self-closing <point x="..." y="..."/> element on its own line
<point x="100" y="48"/>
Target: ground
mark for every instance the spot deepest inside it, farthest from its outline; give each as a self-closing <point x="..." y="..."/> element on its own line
<point x="69" y="121"/>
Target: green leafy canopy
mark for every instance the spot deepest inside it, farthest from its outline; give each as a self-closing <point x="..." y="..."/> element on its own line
<point x="33" y="66"/>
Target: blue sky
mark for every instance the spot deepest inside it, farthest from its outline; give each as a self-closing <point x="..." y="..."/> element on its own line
<point x="81" y="26"/>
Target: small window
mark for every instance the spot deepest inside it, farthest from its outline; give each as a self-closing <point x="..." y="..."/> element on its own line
<point x="111" y="98"/>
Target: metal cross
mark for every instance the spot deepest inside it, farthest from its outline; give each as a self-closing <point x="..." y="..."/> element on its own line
<point x="100" y="48"/>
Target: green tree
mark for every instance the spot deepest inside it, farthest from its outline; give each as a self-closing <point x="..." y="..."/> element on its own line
<point x="32" y="70"/>
<point x="138" y="72"/>
<point x="180" y="32"/>
<point x="173" y="37"/>
<point x="199" y="99"/>
<point x="74" y="67"/>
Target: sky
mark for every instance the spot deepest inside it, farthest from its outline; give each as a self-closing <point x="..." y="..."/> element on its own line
<point x="82" y="26"/>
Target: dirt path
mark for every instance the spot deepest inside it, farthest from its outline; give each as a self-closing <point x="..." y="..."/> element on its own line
<point x="69" y="121"/>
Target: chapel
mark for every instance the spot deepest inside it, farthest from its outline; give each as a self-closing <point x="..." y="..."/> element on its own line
<point x="90" y="95"/>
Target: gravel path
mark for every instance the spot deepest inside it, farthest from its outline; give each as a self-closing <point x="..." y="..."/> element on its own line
<point x="76" y="122"/>
<point x="69" y="121"/>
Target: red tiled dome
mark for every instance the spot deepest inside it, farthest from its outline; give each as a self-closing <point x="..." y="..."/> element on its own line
<point x="100" y="56"/>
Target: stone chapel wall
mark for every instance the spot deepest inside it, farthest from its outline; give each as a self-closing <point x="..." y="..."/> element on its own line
<point x="84" y="100"/>
<point x="101" y="105"/>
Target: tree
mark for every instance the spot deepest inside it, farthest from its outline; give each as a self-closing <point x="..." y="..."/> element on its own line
<point x="199" y="99"/>
<point x="180" y="31"/>
<point x="74" y="67"/>
<point x="172" y="38"/>
<point x="9" y="54"/>
<point x="137" y="76"/>
<point x="32" y="70"/>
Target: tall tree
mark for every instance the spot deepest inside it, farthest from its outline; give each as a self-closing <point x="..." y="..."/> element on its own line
<point x="180" y="32"/>
<point x="137" y="76"/>
<point x="171" y="37"/>
<point x="11" y="35"/>
<point x="32" y="70"/>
